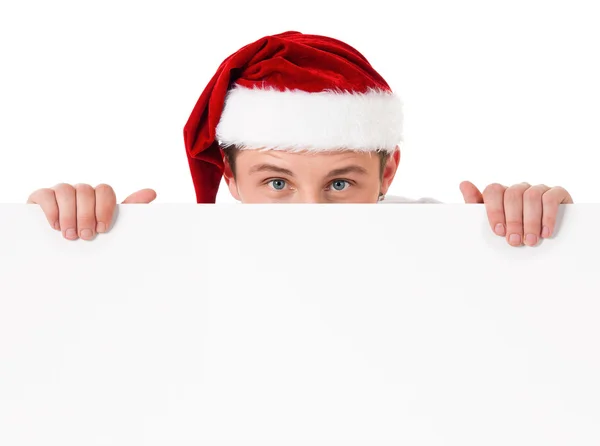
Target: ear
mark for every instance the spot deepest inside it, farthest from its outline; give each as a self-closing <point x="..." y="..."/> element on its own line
<point x="390" y="169"/>
<point x="227" y="173"/>
<point x="230" y="179"/>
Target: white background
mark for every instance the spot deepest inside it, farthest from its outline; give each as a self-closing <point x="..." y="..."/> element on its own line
<point x="494" y="91"/>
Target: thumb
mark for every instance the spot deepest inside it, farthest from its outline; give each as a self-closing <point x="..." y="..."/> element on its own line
<point x="470" y="193"/>
<point x="143" y="196"/>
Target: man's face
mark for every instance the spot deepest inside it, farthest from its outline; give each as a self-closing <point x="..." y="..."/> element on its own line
<point x="330" y="177"/>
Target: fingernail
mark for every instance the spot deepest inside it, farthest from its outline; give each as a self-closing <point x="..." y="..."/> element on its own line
<point x="531" y="240"/>
<point x="499" y="229"/>
<point x="515" y="239"/>
<point x="71" y="234"/>
<point x="546" y="232"/>
<point x="86" y="234"/>
<point x="100" y="227"/>
<point x="57" y="225"/>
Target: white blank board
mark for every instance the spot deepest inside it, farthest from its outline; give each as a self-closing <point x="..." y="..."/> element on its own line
<point x="300" y="324"/>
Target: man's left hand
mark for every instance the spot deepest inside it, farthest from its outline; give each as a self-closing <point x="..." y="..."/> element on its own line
<point x="522" y="213"/>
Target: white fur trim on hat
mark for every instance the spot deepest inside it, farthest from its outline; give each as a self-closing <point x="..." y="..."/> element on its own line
<point x="295" y="120"/>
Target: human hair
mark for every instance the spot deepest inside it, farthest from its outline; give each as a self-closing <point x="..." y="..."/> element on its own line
<point x="232" y="151"/>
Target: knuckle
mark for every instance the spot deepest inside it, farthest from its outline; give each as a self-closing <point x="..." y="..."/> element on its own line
<point x="520" y="188"/>
<point x="86" y="220"/>
<point x="106" y="199"/>
<point x="532" y="222"/>
<point x="549" y="199"/>
<point x="64" y="190"/>
<point x="533" y="195"/>
<point x="548" y="219"/>
<point x="104" y="189"/>
<point x="81" y="187"/>
<point x="494" y="188"/>
<point x="512" y="194"/>
<point x="496" y="215"/>
<point x="41" y="194"/>
<point x="104" y="211"/>
<point x="62" y="187"/>
<point x="514" y="225"/>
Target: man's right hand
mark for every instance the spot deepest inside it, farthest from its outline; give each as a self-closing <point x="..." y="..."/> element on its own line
<point x="81" y="210"/>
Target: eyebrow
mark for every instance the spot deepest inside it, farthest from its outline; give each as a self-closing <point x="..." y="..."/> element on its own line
<point x="346" y="170"/>
<point x="336" y="172"/>
<point x="271" y="168"/>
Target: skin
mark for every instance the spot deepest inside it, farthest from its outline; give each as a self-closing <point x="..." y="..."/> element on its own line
<point x="334" y="177"/>
<point x="521" y="213"/>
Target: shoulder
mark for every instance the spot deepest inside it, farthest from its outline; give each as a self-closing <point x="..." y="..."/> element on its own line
<point x="396" y="199"/>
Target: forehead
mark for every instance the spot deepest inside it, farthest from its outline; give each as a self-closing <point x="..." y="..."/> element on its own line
<point x="306" y="158"/>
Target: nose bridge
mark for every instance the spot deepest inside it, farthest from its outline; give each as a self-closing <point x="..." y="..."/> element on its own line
<point x="310" y="195"/>
<point x="308" y="185"/>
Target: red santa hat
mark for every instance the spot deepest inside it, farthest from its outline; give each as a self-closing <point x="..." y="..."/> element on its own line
<point x="294" y="92"/>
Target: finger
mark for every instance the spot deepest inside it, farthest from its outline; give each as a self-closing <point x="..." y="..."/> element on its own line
<point x="86" y="211"/>
<point x="67" y="210"/>
<point x="46" y="199"/>
<point x="106" y="201"/>
<point x="550" y="204"/>
<point x="493" y="197"/>
<point x="513" y="213"/>
<point x="532" y="214"/>
<point x="143" y="196"/>
<point x="470" y="193"/>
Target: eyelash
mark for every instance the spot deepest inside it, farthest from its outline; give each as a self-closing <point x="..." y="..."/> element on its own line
<point x="329" y="187"/>
<point x="269" y="181"/>
<point x="348" y="182"/>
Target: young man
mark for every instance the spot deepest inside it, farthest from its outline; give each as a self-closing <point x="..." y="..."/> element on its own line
<point x="296" y="118"/>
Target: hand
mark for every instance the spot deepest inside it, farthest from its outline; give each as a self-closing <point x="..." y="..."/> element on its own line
<point x="81" y="210"/>
<point x="522" y="213"/>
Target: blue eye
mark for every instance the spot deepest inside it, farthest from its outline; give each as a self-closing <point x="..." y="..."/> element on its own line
<point x="277" y="184"/>
<point x="340" y="185"/>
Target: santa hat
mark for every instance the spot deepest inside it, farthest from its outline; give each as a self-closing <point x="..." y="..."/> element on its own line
<point x="294" y="92"/>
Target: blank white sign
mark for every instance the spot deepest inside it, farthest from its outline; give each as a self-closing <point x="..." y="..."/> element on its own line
<point x="298" y="325"/>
